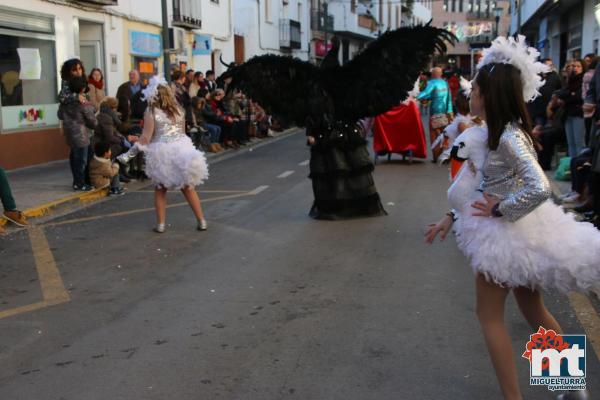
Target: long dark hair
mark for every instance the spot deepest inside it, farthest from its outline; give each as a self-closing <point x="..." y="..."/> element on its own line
<point x="68" y="66"/>
<point x="90" y="77"/>
<point x="501" y="88"/>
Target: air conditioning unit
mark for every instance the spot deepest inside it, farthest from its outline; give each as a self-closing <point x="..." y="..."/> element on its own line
<point x="177" y="39"/>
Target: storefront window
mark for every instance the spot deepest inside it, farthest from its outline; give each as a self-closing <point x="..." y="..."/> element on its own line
<point x="17" y="92"/>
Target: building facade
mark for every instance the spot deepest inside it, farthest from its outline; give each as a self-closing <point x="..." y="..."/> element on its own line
<point x="560" y="30"/>
<point x="113" y="35"/>
<point x="474" y="23"/>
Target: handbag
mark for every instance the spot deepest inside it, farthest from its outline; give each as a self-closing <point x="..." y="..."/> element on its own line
<point x="439" y="121"/>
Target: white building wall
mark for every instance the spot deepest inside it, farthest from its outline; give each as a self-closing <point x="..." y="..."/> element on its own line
<point x="421" y="13"/>
<point x="258" y="22"/>
<point x="66" y="33"/>
<point x="591" y="29"/>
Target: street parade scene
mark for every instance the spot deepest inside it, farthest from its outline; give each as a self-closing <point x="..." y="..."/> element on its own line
<point x="299" y="199"/>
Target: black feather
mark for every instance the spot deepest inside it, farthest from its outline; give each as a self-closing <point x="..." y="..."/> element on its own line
<point x="371" y="84"/>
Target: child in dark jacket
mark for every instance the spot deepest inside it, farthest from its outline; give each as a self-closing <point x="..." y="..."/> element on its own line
<point x="104" y="172"/>
<point x="78" y="119"/>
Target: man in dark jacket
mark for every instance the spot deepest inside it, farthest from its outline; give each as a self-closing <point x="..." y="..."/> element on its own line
<point x="537" y="108"/>
<point x="126" y="92"/>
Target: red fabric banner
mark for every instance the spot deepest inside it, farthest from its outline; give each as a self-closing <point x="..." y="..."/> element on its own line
<point x="400" y="130"/>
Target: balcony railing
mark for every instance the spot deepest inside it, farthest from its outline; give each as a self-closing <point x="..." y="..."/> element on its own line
<point x="186" y="14"/>
<point x="485" y="15"/>
<point x="479" y="39"/>
<point x="99" y="2"/>
<point x="290" y="36"/>
<point x="321" y="21"/>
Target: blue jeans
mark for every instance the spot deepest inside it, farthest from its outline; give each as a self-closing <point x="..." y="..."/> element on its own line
<point x="78" y="159"/>
<point x="214" y="131"/>
<point x="575" y="129"/>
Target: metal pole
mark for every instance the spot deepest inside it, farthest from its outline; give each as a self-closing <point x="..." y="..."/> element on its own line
<point x="166" y="41"/>
<point x="497" y="22"/>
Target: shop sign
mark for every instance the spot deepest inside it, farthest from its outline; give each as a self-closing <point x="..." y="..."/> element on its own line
<point x="145" y="44"/>
<point x="29" y="116"/>
<point x="202" y="45"/>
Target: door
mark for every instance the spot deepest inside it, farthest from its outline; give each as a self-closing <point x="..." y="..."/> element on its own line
<point x="90" y="52"/>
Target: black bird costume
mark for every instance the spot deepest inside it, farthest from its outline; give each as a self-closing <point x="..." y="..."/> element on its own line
<point x="330" y="99"/>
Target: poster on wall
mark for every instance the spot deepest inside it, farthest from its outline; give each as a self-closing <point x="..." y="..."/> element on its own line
<point x="31" y="63"/>
<point x="202" y="45"/>
<point x="29" y="116"/>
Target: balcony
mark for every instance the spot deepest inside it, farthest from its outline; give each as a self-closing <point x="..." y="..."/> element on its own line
<point x="480" y="15"/>
<point x="367" y="21"/>
<point x="289" y="34"/>
<point x="320" y="21"/>
<point x="479" y="40"/>
<point x="186" y="14"/>
<point x="98" y="2"/>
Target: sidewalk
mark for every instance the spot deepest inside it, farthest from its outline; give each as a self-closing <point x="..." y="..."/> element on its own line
<point x="45" y="189"/>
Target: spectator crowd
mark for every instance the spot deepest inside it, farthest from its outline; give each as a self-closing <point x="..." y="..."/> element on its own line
<point x="98" y="128"/>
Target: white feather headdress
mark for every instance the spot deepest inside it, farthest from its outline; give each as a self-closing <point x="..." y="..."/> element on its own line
<point x="150" y="91"/>
<point x="466" y="86"/>
<point x="524" y="58"/>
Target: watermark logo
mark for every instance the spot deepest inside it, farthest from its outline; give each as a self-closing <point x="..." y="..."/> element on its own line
<point x="556" y="361"/>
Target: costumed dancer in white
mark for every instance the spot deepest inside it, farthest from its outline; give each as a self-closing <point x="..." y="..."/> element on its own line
<point x="514" y="236"/>
<point x="172" y="161"/>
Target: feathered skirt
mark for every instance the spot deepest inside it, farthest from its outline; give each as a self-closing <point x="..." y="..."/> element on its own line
<point x="546" y="249"/>
<point x="176" y="164"/>
<point x="341" y="173"/>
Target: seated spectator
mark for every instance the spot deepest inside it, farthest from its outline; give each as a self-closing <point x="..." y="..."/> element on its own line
<point x="212" y="131"/>
<point x="8" y="202"/>
<point x="197" y="84"/>
<point x="103" y="171"/>
<point x="216" y="113"/>
<point x="261" y="120"/>
<point x="78" y="119"/>
<point x="111" y="130"/>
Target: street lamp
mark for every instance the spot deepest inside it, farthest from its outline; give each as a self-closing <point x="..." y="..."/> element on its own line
<point x="497" y="15"/>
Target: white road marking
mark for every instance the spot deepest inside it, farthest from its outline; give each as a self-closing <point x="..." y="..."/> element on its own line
<point x="304" y="163"/>
<point x="285" y="174"/>
<point x="258" y="190"/>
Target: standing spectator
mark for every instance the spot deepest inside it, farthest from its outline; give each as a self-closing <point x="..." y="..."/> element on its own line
<point x="537" y="107"/>
<point x="78" y="118"/>
<point x="197" y="84"/>
<point x="181" y="95"/>
<point x="8" y="202"/>
<point x="438" y="92"/>
<point x="211" y="82"/>
<point x="592" y="105"/>
<point x="573" y="102"/>
<point x="566" y="73"/>
<point x="69" y="69"/>
<point x="189" y="78"/>
<point x="126" y="91"/>
<point x="591" y="61"/>
<point x="103" y="171"/>
<point x="96" y="88"/>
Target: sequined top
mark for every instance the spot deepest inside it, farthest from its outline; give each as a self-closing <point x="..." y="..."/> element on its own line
<point x="513" y="174"/>
<point x="165" y="129"/>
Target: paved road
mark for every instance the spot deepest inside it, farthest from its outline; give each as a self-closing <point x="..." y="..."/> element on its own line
<point x="267" y="304"/>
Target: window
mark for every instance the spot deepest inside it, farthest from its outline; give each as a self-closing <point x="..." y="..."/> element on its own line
<point x="17" y="92"/>
<point x="445" y="5"/>
<point x="460" y="6"/>
<point x="453" y="9"/>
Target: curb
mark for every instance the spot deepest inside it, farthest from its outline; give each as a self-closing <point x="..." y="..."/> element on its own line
<point x="102" y="193"/>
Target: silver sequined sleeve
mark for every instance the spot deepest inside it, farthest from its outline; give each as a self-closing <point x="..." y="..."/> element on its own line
<point x="532" y="187"/>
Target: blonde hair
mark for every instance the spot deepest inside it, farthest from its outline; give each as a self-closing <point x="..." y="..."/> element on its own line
<point x="164" y="100"/>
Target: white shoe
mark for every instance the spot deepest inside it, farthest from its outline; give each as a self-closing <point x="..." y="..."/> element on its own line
<point x="573" y="198"/>
<point x="202" y="225"/>
<point x="160" y="228"/>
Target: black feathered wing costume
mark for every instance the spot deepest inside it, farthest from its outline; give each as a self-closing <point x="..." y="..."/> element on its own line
<point x="328" y="100"/>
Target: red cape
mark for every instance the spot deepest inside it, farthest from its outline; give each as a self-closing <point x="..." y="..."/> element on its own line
<point x="400" y="130"/>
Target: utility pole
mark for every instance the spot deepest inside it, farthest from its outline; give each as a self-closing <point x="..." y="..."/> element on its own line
<point x="165" y="40"/>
